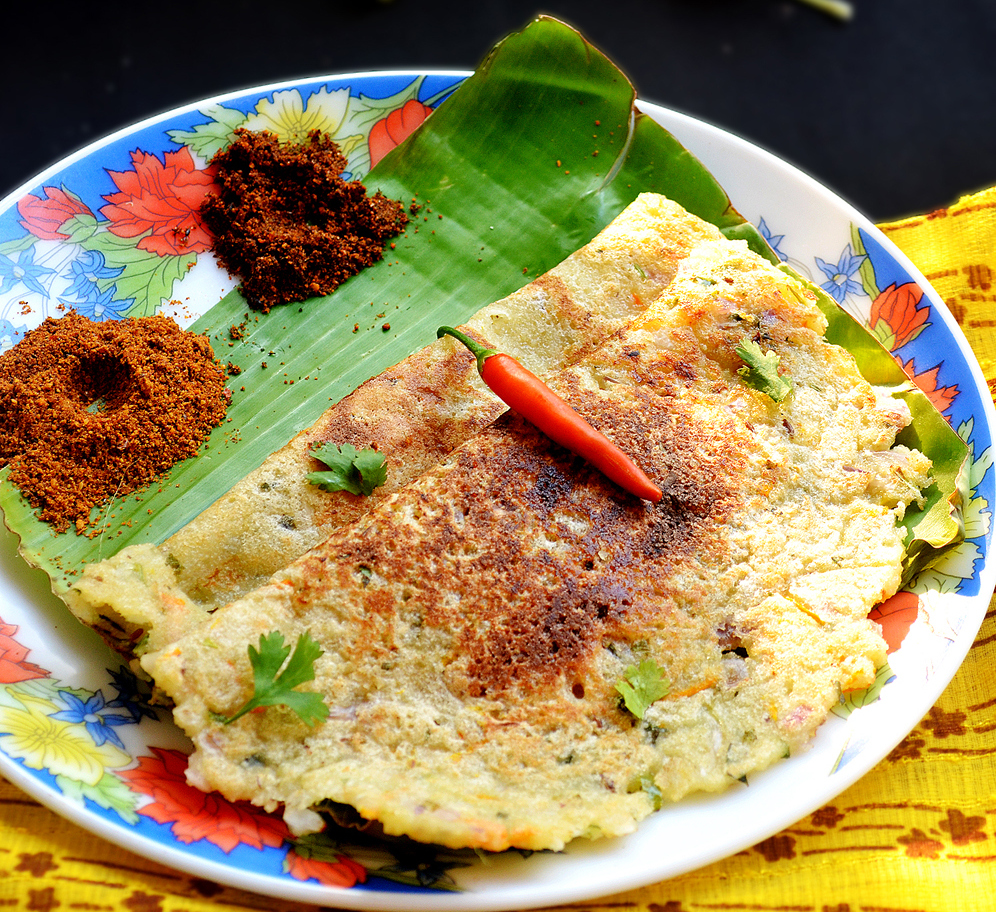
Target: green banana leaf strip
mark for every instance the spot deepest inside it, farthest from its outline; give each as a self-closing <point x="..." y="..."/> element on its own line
<point x="939" y="524"/>
<point x="527" y="160"/>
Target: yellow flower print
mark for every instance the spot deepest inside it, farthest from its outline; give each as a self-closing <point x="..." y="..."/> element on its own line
<point x="291" y="119"/>
<point x="62" y="748"/>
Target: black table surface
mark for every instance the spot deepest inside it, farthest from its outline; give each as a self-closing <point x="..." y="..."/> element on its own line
<point x="893" y="109"/>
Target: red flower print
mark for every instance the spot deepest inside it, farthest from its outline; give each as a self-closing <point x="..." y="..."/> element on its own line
<point x="777" y="848"/>
<point x="44" y="217"/>
<point x="397" y="126"/>
<point x="941" y="396"/>
<point x="13" y="667"/>
<point x="945" y="724"/>
<point x="964" y="830"/>
<point x="161" y="199"/>
<point x="342" y="872"/>
<point x="896" y="615"/>
<point x="920" y="845"/>
<point x="194" y="814"/>
<point x="827" y="817"/>
<point x="894" y="316"/>
<point x="910" y="748"/>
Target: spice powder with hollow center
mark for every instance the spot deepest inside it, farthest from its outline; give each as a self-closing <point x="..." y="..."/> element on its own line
<point x="92" y="411"/>
<point x="286" y="223"/>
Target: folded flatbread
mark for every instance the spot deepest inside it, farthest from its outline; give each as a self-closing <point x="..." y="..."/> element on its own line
<point x="476" y="624"/>
<point x="147" y="596"/>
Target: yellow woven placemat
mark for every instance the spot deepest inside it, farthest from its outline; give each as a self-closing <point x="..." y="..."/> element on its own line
<point x="917" y="834"/>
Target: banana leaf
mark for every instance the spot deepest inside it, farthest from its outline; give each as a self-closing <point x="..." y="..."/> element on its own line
<point x="528" y="160"/>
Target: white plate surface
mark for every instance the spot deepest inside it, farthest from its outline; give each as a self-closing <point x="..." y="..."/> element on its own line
<point x="101" y="731"/>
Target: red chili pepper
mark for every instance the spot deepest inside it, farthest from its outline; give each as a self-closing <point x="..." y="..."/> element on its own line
<point x="521" y="390"/>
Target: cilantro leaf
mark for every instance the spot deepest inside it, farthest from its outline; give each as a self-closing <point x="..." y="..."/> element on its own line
<point x="348" y="469"/>
<point x="761" y="370"/>
<point x="272" y="687"/>
<point x="641" y="685"/>
<point x="647" y="785"/>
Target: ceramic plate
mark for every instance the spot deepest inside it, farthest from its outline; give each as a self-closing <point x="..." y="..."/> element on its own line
<point x="76" y="731"/>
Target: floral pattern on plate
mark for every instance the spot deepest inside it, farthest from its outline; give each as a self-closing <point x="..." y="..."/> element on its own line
<point x="128" y="252"/>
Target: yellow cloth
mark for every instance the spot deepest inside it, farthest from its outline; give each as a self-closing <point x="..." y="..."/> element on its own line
<point x="917" y="833"/>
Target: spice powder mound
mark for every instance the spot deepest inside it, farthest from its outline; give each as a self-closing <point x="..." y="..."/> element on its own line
<point x="286" y="223"/>
<point x="91" y="411"/>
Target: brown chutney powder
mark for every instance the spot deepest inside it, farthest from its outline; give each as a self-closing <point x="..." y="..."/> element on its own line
<point x="286" y="223"/>
<point x="92" y="411"/>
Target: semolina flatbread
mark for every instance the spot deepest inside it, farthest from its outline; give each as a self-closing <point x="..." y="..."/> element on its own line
<point x="147" y="596"/>
<point x="476" y="623"/>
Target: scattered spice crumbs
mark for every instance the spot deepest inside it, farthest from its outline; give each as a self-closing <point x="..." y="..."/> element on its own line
<point x="286" y="223"/>
<point x="95" y="410"/>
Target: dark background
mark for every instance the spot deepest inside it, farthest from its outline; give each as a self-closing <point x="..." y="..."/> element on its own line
<point x="895" y="109"/>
